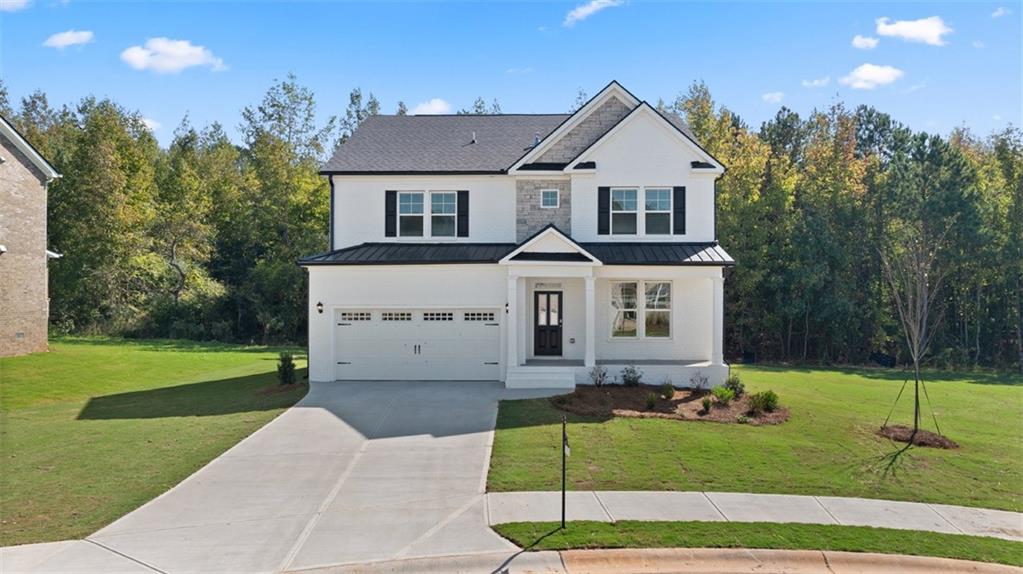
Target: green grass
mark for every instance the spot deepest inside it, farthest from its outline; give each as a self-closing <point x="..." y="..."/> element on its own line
<point x="547" y="536"/>
<point x="97" y="427"/>
<point x="828" y="446"/>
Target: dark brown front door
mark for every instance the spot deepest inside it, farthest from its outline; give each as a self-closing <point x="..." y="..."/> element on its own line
<point x="547" y="318"/>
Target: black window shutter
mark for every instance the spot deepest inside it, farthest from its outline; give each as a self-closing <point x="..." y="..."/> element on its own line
<point x="603" y="211"/>
<point x="391" y="214"/>
<point x="462" y="222"/>
<point x="678" y="205"/>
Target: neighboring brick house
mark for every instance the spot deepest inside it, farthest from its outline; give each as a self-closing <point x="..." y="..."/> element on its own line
<point x="24" y="296"/>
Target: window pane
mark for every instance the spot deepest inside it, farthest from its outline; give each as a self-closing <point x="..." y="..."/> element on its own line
<point x="410" y="203"/>
<point x="658" y="295"/>
<point x="658" y="223"/>
<point x="623" y="295"/>
<point x="442" y="226"/>
<point x="555" y="311"/>
<point x="410" y="226"/>
<point x="541" y="310"/>
<point x="658" y="323"/>
<point x="549" y="198"/>
<point x="623" y="224"/>
<point x="442" y="203"/>
<point x="624" y="324"/>
<point x="658" y="200"/>
<point x="623" y="200"/>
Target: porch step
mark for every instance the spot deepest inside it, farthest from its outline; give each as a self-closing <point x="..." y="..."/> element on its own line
<point x="537" y="377"/>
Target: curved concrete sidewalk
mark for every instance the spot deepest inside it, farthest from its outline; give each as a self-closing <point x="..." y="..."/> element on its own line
<point x="611" y="506"/>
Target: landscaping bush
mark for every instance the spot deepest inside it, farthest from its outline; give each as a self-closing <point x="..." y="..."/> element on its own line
<point x="698" y="381"/>
<point x="286" y="369"/>
<point x="651" y="401"/>
<point x="742" y="419"/>
<point x="667" y="390"/>
<point x="631" y="376"/>
<point x="724" y="395"/>
<point x="706" y="404"/>
<point x="735" y="384"/>
<point x="764" y="402"/>
<point x="598" y="375"/>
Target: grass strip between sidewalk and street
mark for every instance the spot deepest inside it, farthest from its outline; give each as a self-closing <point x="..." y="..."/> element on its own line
<point x="538" y="536"/>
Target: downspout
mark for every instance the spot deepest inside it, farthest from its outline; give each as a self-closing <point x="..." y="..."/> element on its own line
<point x="330" y="232"/>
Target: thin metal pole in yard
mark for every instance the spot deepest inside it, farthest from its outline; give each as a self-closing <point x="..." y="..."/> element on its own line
<point x="564" y="457"/>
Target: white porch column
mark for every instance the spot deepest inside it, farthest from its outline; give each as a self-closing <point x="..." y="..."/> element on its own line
<point x="718" y="334"/>
<point x="512" y="321"/>
<point x="590" y="359"/>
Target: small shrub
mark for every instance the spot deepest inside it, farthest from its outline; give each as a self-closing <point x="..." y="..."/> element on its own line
<point x="742" y="419"/>
<point x="667" y="390"/>
<point x="764" y="402"/>
<point x="698" y="381"/>
<point x="598" y="375"/>
<point x="724" y="395"/>
<point x="631" y="376"/>
<point x="706" y="404"/>
<point x="651" y="401"/>
<point x="735" y="384"/>
<point x="286" y="369"/>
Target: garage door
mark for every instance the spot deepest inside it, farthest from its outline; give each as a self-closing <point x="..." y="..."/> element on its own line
<point x="428" y="344"/>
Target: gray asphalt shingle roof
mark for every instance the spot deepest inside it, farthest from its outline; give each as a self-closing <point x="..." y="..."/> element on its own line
<point x="440" y="143"/>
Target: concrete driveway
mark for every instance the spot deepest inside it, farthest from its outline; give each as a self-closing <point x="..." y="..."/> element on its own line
<point x="355" y="472"/>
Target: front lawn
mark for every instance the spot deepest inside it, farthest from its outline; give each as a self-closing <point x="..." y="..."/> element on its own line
<point x="827" y="447"/>
<point x="627" y="534"/>
<point x="97" y="427"/>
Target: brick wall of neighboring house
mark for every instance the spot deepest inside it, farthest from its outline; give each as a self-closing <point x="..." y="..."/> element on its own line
<point x="530" y="217"/>
<point x="587" y="132"/>
<point x="24" y="298"/>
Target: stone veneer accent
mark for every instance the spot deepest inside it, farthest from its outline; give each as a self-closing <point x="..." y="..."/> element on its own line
<point x="530" y="217"/>
<point x="588" y="131"/>
<point x="24" y="298"/>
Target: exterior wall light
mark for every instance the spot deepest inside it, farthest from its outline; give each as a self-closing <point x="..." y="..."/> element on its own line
<point x="319" y="307"/>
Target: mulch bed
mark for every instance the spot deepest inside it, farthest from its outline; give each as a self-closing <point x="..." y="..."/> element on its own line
<point x="901" y="433"/>
<point x="685" y="405"/>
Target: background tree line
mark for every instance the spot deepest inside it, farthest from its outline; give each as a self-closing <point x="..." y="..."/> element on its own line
<point x="200" y="240"/>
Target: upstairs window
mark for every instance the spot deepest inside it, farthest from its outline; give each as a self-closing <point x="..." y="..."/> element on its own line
<point x="658" y="211"/>
<point x="623" y="211"/>
<point x="410" y="214"/>
<point x="549" y="199"/>
<point x="443" y="207"/>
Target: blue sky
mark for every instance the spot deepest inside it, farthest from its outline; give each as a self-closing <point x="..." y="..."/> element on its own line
<point x="933" y="66"/>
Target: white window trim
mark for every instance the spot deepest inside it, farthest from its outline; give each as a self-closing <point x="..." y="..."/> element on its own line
<point x="422" y="215"/>
<point x="637" y="212"/>
<point x="427" y="215"/>
<point x="641" y="310"/>
<point x="670" y="211"/>
<point x="453" y="216"/>
<point x="557" y="199"/>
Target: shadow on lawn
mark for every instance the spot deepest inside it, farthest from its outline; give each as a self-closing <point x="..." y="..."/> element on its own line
<point x="208" y="398"/>
<point x="179" y="345"/>
<point x="899" y="375"/>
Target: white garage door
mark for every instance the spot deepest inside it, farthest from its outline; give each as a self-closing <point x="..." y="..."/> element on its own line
<point x="428" y="344"/>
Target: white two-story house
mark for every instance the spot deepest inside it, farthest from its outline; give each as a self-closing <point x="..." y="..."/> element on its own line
<point x="520" y="248"/>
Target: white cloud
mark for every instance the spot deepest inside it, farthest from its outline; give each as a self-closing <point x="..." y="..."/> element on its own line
<point x="12" y="5"/>
<point x="166" y="56"/>
<point x="926" y="30"/>
<point x="864" y="42"/>
<point x="62" y="40"/>
<point x="151" y="124"/>
<point x="817" y="82"/>
<point x="519" y="71"/>
<point x="434" y="106"/>
<point x="1001" y="11"/>
<point x="978" y="44"/>
<point x="996" y="117"/>
<point x="584" y="11"/>
<point x="773" y="97"/>
<point x="870" y="76"/>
